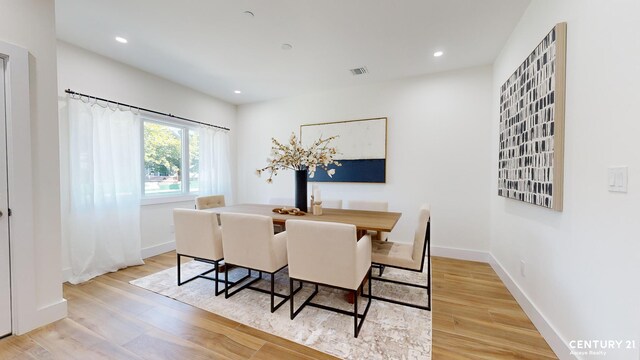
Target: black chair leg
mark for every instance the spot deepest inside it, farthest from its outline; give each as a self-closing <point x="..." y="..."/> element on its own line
<point x="226" y="281"/>
<point x="413" y="285"/>
<point x="355" y="313"/>
<point x="291" y="298"/>
<point x="178" y="257"/>
<point x="217" y="265"/>
<point x="369" y="284"/>
<point x="272" y="287"/>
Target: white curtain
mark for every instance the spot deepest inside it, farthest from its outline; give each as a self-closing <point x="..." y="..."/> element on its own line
<point x="215" y="169"/>
<point x="105" y="189"/>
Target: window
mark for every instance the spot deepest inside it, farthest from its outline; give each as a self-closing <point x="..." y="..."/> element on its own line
<point x="194" y="157"/>
<point x="171" y="154"/>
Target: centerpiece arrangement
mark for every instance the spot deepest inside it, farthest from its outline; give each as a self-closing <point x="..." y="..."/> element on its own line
<point x="294" y="156"/>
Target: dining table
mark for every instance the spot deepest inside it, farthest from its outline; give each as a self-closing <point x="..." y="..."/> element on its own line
<point x="382" y="221"/>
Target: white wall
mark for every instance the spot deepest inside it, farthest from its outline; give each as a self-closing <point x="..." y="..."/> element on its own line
<point x="30" y="24"/>
<point x="582" y="264"/>
<point x="90" y="73"/>
<point x="438" y="149"/>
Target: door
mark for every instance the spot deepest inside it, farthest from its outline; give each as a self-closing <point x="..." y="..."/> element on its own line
<point x="5" y="283"/>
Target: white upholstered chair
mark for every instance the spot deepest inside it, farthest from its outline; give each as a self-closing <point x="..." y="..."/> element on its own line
<point x="331" y="204"/>
<point x="407" y="256"/>
<point x="281" y="201"/>
<point x="249" y="243"/>
<point x="330" y="254"/>
<point x="371" y="206"/>
<point x="368" y="205"/>
<point x="198" y="236"/>
<point x="209" y="202"/>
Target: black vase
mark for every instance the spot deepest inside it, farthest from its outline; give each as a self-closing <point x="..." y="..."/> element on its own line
<point x="301" y="190"/>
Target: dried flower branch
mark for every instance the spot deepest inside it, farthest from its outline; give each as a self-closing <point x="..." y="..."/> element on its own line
<point x="293" y="156"/>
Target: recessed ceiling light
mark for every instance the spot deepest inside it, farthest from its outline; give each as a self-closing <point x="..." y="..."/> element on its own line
<point x="438" y="53"/>
<point x="121" y="40"/>
<point x="287" y="46"/>
<point x="237" y="91"/>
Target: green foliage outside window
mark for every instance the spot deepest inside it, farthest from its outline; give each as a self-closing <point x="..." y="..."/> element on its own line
<point x="162" y="150"/>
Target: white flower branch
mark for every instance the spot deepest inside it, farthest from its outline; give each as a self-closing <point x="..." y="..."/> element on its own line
<point x="293" y="156"/>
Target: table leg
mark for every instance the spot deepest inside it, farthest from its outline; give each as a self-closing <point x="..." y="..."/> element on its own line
<point x="349" y="296"/>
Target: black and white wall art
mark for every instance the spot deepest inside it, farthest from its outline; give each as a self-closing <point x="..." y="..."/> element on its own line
<point x="532" y="103"/>
<point x="362" y="147"/>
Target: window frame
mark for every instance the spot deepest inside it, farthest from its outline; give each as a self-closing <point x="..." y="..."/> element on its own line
<point x="185" y="193"/>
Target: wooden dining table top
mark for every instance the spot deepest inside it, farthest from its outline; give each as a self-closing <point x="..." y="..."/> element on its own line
<point x="363" y="220"/>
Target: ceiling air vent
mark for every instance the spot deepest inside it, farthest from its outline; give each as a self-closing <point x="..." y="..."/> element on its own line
<point x="359" y="71"/>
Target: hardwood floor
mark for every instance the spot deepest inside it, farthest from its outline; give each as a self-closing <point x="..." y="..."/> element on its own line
<point x="111" y="319"/>
<point x="474" y="317"/>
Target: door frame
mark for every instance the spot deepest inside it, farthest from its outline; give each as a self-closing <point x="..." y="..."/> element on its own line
<point x="26" y="313"/>
<point x="6" y="326"/>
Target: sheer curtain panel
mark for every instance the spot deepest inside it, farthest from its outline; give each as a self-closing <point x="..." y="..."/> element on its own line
<point x="105" y="189"/>
<point x="215" y="168"/>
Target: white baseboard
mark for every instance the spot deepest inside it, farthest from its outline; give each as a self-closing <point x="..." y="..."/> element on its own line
<point x="43" y="316"/>
<point x="66" y="274"/>
<point x="158" y="249"/>
<point x="460" y="254"/>
<point x="145" y="253"/>
<point x="548" y="332"/>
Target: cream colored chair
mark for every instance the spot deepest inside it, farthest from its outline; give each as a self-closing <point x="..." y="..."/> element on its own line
<point x="330" y="254"/>
<point x="249" y="243"/>
<point x="407" y="257"/>
<point x="209" y="202"/>
<point x="331" y="204"/>
<point x="371" y="206"/>
<point x="281" y="201"/>
<point x="198" y="236"/>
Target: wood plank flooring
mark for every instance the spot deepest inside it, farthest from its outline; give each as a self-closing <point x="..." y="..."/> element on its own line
<point x="111" y="319"/>
<point x="474" y="317"/>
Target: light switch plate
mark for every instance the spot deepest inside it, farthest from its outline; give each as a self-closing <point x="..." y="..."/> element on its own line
<point x="617" y="179"/>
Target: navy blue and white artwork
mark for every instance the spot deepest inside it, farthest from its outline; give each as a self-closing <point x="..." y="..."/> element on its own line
<point x="362" y="147"/>
<point x="532" y="124"/>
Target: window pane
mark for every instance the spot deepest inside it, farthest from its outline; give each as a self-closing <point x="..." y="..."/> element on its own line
<point x="162" y="159"/>
<point x="194" y="157"/>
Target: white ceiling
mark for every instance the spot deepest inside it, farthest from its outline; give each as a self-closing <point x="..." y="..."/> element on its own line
<point x="211" y="46"/>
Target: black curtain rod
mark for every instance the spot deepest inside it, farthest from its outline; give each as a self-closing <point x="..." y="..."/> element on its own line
<point x="69" y="91"/>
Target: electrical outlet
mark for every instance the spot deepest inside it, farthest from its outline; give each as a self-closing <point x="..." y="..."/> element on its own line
<point x="522" y="266"/>
<point x="617" y="179"/>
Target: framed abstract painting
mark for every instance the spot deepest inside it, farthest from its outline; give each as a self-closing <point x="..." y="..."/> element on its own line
<point x="362" y="148"/>
<point x="531" y="138"/>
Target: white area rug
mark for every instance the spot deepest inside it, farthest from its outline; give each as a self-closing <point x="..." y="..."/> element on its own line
<point x="389" y="332"/>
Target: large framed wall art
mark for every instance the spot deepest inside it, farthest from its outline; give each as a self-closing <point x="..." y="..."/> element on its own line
<point x="532" y="106"/>
<point x="362" y="147"/>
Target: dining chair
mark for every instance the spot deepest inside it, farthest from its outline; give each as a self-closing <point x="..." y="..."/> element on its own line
<point x="407" y="256"/>
<point x="329" y="254"/>
<point x="371" y="206"/>
<point x="249" y="243"/>
<point x="209" y="202"/>
<point x="282" y="201"/>
<point x="198" y="236"/>
<point x="332" y="204"/>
